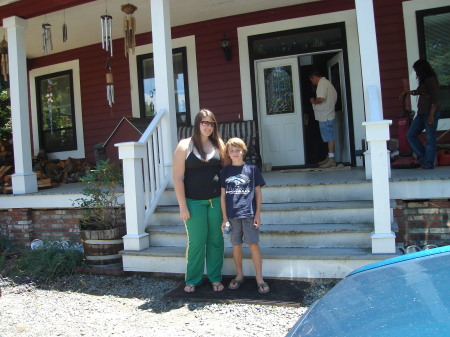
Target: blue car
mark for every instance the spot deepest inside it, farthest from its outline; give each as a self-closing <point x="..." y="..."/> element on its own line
<point x="408" y="295"/>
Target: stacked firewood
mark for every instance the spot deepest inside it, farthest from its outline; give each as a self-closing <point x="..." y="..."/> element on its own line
<point x="50" y="172"/>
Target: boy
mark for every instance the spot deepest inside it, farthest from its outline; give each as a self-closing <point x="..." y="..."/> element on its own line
<point x="241" y="207"/>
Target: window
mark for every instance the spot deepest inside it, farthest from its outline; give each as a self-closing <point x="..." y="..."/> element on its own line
<point x="56" y="113"/>
<point x="433" y="26"/>
<point x="147" y="90"/>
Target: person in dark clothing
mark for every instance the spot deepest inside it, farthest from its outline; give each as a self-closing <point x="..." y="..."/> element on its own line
<point x="427" y="114"/>
<point x="197" y="164"/>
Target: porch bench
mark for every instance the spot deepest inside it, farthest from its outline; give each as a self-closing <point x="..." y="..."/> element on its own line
<point x="246" y="130"/>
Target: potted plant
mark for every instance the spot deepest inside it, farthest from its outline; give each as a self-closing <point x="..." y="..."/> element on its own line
<point x="102" y="225"/>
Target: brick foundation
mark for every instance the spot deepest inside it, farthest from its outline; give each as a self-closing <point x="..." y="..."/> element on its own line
<point x="423" y="222"/>
<point x="22" y="226"/>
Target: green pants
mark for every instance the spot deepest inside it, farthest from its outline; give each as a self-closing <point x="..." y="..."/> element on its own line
<point x="205" y="240"/>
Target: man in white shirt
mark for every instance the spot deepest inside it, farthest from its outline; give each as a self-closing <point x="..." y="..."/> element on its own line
<point x="323" y="106"/>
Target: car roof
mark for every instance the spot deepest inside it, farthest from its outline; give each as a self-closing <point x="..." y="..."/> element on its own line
<point x="404" y="296"/>
<point x="401" y="258"/>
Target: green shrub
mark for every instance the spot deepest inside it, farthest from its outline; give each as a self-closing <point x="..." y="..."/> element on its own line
<point x="5" y="244"/>
<point x="50" y="261"/>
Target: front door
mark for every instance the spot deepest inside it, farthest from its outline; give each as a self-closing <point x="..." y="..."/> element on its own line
<point x="280" y="112"/>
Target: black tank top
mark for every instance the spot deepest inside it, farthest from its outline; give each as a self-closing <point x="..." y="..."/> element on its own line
<point x="201" y="178"/>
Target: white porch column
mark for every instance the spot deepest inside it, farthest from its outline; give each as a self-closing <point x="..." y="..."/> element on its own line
<point x="370" y="69"/>
<point x="164" y="81"/>
<point x="24" y="180"/>
<point x="377" y="130"/>
<point x="132" y="154"/>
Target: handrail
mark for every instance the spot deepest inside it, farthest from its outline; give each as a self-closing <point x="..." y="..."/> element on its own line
<point x="145" y="179"/>
<point x="155" y="175"/>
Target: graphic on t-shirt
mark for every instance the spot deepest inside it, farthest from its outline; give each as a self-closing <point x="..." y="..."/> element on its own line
<point x="238" y="184"/>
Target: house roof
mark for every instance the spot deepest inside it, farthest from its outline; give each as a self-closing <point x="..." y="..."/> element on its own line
<point x="83" y="17"/>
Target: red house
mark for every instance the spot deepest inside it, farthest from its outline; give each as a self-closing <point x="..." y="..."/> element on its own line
<point x="243" y="60"/>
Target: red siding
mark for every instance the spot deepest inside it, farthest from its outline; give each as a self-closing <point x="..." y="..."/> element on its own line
<point x="219" y="80"/>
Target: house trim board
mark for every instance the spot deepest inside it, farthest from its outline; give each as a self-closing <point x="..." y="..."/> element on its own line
<point x="189" y="43"/>
<point x="54" y="68"/>
<point x="349" y="19"/>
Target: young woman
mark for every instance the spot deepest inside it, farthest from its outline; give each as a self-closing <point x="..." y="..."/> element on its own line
<point x="197" y="164"/>
<point x="427" y="114"/>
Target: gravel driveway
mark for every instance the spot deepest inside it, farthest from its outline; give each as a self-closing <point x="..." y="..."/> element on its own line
<point x="93" y="305"/>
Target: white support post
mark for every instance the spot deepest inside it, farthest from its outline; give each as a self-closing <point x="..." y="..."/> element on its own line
<point x="164" y="81"/>
<point x="369" y="67"/>
<point x="383" y="239"/>
<point x="132" y="154"/>
<point x="24" y="180"/>
<point x="377" y="130"/>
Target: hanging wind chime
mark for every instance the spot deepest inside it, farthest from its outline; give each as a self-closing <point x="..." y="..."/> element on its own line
<point x="47" y="44"/>
<point x="129" y="28"/>
<point x="4" y="59"/>
<point x="109" y="83"/>
<point x="64" y="28"/>
<point x="106" y="23"/>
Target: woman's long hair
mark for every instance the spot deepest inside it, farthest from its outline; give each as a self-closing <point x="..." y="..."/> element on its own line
<point x="423" y="70"/>
<point x="214" y="137"/>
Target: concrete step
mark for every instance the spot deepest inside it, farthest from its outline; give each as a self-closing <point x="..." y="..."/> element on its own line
<point x="284" y="235"/>
<point x="277" y="262"/>
<point x="298" y="192"/>
<point x="292" y="213"/>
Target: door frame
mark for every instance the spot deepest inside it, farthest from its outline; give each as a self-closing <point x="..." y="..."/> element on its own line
<point x="355" y="95"/>
<point x="346" y="94"/>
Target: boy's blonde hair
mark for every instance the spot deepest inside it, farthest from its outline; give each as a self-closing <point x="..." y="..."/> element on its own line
<point x="236" y="142"/>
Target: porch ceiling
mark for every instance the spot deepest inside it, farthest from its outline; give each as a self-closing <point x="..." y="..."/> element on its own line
<point x="83" y="21"/>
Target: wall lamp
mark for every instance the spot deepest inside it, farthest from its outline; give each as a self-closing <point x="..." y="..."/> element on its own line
<point x="226" y="47"/>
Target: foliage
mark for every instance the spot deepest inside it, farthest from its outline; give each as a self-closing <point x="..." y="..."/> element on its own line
<point x="5" y="116"/>
<point x="5" y="244"/>
<point x="101" y="190"/>
<point x="50" y="261"/>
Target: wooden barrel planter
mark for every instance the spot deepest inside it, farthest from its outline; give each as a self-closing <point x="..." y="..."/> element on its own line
<point x="102" y="247"/>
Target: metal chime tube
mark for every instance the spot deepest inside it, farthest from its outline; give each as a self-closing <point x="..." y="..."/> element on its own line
<point x="47" y="44"/>
<point x="110" y="88"/>
<point x="106" y="24"/>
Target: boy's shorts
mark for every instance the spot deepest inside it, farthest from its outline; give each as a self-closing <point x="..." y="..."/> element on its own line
<point x="327" y="130"/>
<point x="242" y="231"/>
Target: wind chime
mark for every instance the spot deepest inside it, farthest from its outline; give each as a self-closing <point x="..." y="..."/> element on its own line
<point x="129" y="28"/>
<point x="64" y="28"/>
<point x="109" y="83"/>
<point x="106" y="23"/>
<point x="47" y="44"/>
<point x="4" y="59"/>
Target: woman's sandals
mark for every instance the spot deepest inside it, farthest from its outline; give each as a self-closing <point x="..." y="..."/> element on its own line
<point x="189" y="288"/>
<point x="217" y="286"/>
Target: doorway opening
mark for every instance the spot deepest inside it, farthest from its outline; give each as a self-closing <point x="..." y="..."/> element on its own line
<point x="289" y="133"/>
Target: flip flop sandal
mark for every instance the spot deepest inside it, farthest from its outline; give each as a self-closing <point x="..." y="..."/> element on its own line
<point x="234" y="284"/>
<point x="216" y="287"/>
<point x="261" y="287"/>
<point x="189" y="288"/>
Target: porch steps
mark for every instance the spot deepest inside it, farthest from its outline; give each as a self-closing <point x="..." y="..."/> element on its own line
<point x="315" y="228"/>
<point x="277" y="262"/>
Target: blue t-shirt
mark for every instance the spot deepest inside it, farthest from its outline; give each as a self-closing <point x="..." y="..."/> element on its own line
<point x="239" y="183"/>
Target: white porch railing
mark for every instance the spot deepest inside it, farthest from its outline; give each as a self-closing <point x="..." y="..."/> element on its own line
<point x="145" y="179"/>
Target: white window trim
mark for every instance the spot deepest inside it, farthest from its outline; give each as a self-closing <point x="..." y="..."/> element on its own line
<point x="189" y="43"/>
<point x="412" y="43"/>
<point x="354" y="62"/>
<point x="54" y="68"/>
